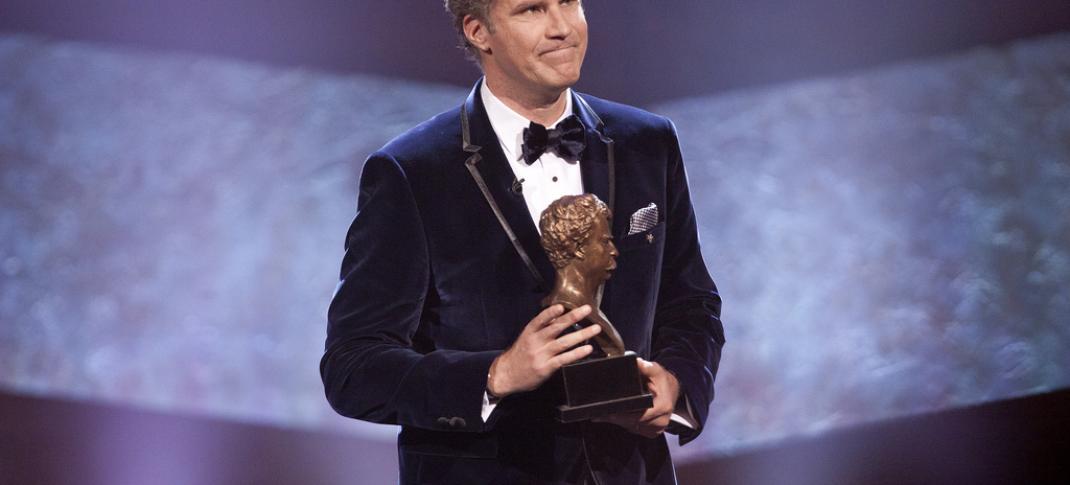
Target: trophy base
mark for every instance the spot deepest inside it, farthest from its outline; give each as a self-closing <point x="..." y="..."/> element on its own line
<point x="600" y="387"/>
<point x="571" y="414"/>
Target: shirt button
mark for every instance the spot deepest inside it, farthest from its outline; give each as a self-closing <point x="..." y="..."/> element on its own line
<point x="555" y="179"/>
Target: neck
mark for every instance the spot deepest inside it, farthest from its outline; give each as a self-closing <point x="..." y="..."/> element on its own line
<point x="571" y="286"/>
<point x="542" y="107"/>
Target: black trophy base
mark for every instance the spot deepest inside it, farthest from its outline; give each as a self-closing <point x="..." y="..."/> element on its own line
<point x="600" y="387"/>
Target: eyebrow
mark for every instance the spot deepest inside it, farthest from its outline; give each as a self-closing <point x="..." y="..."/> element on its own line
<point x="526" y="5"/>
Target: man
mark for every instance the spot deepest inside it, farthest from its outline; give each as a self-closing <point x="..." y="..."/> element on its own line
<point x="437" y="324"/>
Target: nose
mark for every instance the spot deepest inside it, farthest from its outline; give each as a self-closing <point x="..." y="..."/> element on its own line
<point x="613" y="249"/>
<point x="559" y="27"/>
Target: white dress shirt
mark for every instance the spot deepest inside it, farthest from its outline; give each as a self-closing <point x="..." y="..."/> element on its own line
<point x="548" y="178"/>
<point x="544" y="181"/>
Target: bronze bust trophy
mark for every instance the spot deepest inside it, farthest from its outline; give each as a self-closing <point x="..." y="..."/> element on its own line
<point x="577" y="238"/>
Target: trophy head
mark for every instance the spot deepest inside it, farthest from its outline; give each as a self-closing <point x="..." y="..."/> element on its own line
<point x="576" y="234"/>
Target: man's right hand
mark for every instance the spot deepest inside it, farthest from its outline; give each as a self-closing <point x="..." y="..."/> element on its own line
<point x="540" y="350"/>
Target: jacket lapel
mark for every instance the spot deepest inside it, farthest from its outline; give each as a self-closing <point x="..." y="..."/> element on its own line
<point x="594" y="165"/>
<point x="499" y="179"/>
<point x="596" y="173"/>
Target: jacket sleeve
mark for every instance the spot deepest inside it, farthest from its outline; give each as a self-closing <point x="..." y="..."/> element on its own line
<point x="371" y="369"/>
<point x="688" y="334"/>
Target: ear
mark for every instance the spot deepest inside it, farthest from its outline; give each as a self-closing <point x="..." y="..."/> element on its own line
<point x="476" y="32"/>
<point x="579" y="254"/>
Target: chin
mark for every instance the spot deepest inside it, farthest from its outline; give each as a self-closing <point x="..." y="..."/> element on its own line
<point x="562" y="77"/>
<point x="571" y="76"/>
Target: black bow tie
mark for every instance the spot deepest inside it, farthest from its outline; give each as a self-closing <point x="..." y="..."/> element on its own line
<point x="567" y="140"/>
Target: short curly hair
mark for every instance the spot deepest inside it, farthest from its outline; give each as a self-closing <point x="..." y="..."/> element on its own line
<point x="566" y="225"/>
<point x="459" y="9"/>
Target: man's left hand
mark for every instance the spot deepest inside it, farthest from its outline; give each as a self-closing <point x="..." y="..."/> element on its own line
<point x="652" y="422"/>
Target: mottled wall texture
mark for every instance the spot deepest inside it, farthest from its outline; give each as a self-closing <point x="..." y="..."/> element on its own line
<point x="889" y="242"/>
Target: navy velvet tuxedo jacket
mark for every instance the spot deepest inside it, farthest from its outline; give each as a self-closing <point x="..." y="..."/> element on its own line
<point x="432" y="291"/>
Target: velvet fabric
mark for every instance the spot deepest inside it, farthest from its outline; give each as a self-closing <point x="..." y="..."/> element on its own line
<point x="432" y="291"/>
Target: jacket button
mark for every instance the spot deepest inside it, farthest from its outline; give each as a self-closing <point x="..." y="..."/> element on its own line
<point x="444" y="422"/>
<point x="457" y="422"/>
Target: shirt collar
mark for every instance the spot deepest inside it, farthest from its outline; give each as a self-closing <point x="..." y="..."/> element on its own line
<point x="509" y="125"/>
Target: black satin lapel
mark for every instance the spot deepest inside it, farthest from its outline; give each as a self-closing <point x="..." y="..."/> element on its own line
<point x="499" y="177"/>
<point x="594" y="165"/>
<point x="595" y="170"/>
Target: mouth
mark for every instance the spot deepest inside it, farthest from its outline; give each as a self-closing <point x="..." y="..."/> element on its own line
<point x="558" y="50"/>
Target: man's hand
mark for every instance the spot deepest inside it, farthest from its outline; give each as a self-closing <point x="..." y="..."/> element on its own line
<point x="540" y="350"/>
<point x="652" y="422"/>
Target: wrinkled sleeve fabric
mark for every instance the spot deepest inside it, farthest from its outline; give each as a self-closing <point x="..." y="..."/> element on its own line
<point x="688" y="335"/>
<point x="370" y="368"/>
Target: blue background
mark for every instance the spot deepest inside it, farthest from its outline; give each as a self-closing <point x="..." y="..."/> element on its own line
<point x="889" y="240"/>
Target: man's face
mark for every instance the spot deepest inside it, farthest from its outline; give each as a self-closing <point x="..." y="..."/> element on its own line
<point x="599" y="252"/>
<point x="536" y="45"/>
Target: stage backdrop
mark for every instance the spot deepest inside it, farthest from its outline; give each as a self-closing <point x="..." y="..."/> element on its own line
<point x="888" y="242"/>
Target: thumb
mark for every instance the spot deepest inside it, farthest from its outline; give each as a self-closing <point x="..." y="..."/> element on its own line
<point x="645" y="367"/>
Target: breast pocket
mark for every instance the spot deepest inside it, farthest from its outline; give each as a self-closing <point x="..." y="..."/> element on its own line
<point x="650" y="238"/>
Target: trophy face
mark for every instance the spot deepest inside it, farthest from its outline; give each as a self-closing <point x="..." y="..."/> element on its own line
<point x="599" y="257"/>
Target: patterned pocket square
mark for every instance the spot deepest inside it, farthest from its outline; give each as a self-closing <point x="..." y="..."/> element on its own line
<point x="643" y="219"/>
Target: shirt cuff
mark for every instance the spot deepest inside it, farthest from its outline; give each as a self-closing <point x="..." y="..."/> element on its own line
<point x="682" y="415"/>
<point x="488" y="407"/>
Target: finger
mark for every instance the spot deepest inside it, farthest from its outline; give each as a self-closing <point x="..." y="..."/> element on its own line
<point x="571" y="356"/>
<point x="661" y="408"/>
<point x="561" y="322"/>
<point x="579" y="314"/>
<point x="651" y="430"/>
<point x="553" y="329"/>
<point x="546" y="316"/>
<point x="647" y="368"/>
<point x="576" y="314"/>
<point x="648" y="430"/>
<point x="568" y="341"/>
<point x="655" y="413"/>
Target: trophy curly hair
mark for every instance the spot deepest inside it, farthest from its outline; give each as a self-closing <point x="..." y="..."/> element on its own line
<point x="459" y="9"/>
<point x="566" y="225"/>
